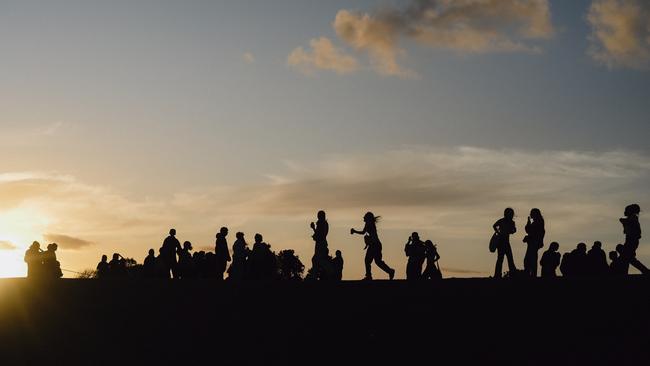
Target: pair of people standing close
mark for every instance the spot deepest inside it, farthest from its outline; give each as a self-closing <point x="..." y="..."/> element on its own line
<point x="535" y="232"/>
<point x="418" y="252"/>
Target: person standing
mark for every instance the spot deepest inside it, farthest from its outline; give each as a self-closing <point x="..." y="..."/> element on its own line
<point x="34" y="260"/>
<point x="534" y="239"/>
<point x="504" y="227"/>
<point x="171" y="246"/>
<point x="321" y="251"/>
<point x="373" y="246"/>
<point x="222" y="252"/>
<point x="240" y="253"/>
<point x="432" y="271"/>
<point x="415" y="252"/>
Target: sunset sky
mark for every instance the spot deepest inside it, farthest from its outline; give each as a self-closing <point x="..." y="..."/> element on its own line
<point x="120" y="120"/>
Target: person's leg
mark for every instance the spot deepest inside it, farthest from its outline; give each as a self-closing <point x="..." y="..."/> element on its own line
<point x="368" y="261"/>
<point x="533" y="264"/>
<point x="511" y="262"/>
<point x="498" y="269"/>
<point x="384" y="267"/>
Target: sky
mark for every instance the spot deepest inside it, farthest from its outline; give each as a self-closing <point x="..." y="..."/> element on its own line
<point x="121" y="120"/>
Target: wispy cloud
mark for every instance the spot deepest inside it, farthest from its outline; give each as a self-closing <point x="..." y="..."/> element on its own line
<point x="67" y="241"/>
<point x="620" y="32"/>
<point x="467" y="26"/>
<point x="7" y="245"/>
<point x="322" y="55"/>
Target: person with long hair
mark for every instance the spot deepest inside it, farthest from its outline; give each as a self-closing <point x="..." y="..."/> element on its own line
<point x="535" y="240"/>
<point x="632" y="231"/>
<point x="505" y="227"/>
<point x="373" y="246"/>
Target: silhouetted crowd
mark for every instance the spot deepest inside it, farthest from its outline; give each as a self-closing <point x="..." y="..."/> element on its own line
<point x="261" y="263"/>
<point x="576" y="263"/>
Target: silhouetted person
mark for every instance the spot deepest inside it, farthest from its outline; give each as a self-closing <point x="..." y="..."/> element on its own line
<point x="102" y="268"/>
<point x="337" y="263"/>
<point x="632" y="230"/>
<point x="625" y="266"/>
<point x="550" y="261"/>
<point x="415" y="252"/>
<point x="34" y="260"/>
<point x="575" y="263"/>
<point x="534" y="239"/>
<point x="222" y="252"/>
<point x="240" y="253"/>
<point x="51" y="266"/>
<point x="171" y="246"/>
<point x="260" y="259"/>
<point x="504" y="227"/>
<point x="321" y="251"/>
<point x="597" y="260"/>
<point x="149" y="266"/>
<point x="117" y="266"/>
<point x="185" y="262"/>
<point x="162" y="268"/>
<point x="373" y="246"/>
<point x="616" y="267"/>
<point x="432" y="271"/>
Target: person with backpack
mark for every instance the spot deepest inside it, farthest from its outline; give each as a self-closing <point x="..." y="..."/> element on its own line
<point x="503" y="228"/>
<point x="632" y="231"/>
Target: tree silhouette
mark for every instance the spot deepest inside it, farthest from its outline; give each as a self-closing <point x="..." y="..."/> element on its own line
<point x="289" y="265"/>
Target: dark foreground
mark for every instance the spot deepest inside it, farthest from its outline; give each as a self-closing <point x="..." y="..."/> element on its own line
<point x="477" y="322"/>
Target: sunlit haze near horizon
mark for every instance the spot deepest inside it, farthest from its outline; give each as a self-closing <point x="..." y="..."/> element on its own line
<point x="120" y="120"/>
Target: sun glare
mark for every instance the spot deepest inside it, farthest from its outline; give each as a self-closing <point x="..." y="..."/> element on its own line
<point x="18" y="229"/>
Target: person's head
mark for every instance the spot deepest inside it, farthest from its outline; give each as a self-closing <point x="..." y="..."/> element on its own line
<point x="104" y="258"/>
<point x="370" y="218"/>
<point x="429" y="245"/>
<point x="536" y="214"/>
<point x="52" y="247"/>
<point x="620" y="248"/>
<point x="632" y="209"/>
<point x="151" y="252"/>
<point x="582" y="247"/>
<point x="509" y="213"/>
<point x="240" y="235"/>
<point x="321" y="215"/>
<point x="597" y="245"/>
<point x="172" y="232"/>
<point x="338" y="254"/>
<point x="415" y="236"/>
<point x="224" y="231"/>
<point x="613" y="255"/>
<point x="258" y="238"/>
<point x="187" y="245"/>
<point x="116" y="256"/>
<point x="554" y="247"/>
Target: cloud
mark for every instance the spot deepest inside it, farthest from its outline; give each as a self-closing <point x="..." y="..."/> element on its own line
<point x="67" y="242"/>
<point x="322" y="55"/>
<point x="464" y="26"/>
<point x="620" y="32"/>
<point x="7" y="245"/>
<point x="248" y="58"/>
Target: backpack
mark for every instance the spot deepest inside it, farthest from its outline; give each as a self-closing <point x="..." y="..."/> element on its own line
<point x="494" y="243"/>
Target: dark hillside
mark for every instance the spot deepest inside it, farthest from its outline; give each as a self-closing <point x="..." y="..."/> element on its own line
<point x="472" y="321"/>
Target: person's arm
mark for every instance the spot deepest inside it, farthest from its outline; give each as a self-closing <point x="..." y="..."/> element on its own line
<point x="496" y="227"/>
<point x="354" y="231"/>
